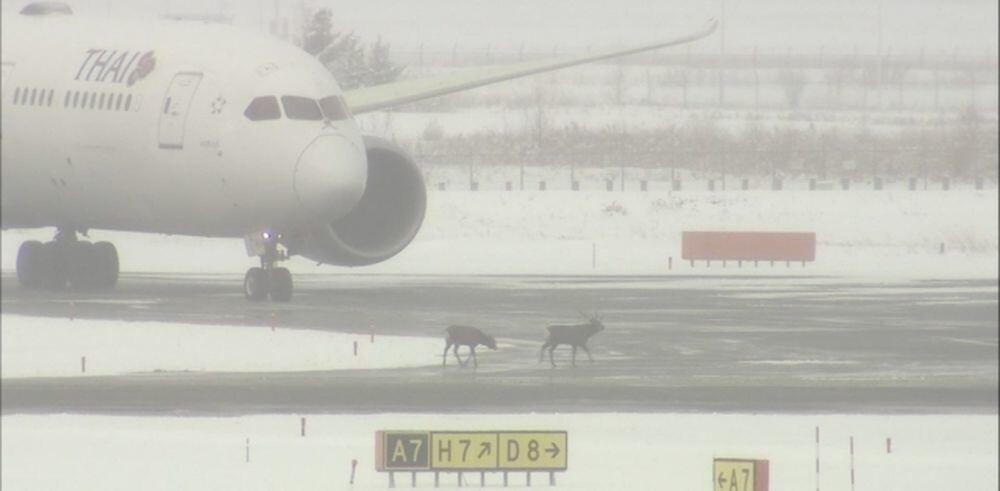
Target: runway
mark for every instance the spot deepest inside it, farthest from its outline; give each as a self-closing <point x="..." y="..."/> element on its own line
<point x="716" y="344"/>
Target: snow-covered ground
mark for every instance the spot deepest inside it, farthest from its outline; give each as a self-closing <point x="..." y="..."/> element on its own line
<point x="877" y="234"/>
<point x="883" y="235"/>
<point x="45" y="347"/>
<point x="605" y="451"/>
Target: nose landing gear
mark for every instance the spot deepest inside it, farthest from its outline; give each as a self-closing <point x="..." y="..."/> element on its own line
<point x="268" y="279"/>
<point x="67" y="261"/>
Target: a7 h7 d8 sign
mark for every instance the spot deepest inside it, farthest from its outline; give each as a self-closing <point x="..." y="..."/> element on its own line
<point x="471" y="451"/>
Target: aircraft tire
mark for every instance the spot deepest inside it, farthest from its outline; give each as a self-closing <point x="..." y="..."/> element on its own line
<point x="281" y="285"/>
<point x="54" y="274"/>
<point x="255" y="284"/>
<point x="31" y="264"/>
<point x="104" y="272"/>
<point x="81" y="265"/>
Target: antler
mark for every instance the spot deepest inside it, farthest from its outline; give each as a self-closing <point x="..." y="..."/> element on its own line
<point x="595" y="316"/>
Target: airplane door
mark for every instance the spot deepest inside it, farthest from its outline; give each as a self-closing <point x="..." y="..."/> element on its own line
<point x="174" y="111"/>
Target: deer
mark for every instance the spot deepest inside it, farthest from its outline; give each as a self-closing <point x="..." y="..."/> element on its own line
<point x="466" y="336"/>
<point x="575" y="335"/>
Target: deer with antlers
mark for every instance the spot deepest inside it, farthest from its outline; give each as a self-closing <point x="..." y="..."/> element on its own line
<point x="466" y="336"/>
<point x="575" y="335"/>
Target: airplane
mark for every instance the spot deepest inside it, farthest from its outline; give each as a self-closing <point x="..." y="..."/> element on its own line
<point x="201" y="129"/>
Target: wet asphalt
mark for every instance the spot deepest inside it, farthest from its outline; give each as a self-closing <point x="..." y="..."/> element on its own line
<point x="671" y="344"/>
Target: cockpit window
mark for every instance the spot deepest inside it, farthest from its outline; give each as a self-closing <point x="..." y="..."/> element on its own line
<point x="334" y="108"/>
<point x="301" y="108"/>
<point x="263" y="108"/>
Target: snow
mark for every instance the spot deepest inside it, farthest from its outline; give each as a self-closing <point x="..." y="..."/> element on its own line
<point x="45" y="347"/>
<point x="606" y="451"/>
<point x="887" y="234"/>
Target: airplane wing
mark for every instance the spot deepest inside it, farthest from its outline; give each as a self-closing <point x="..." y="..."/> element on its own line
<point x="405" y="91"/>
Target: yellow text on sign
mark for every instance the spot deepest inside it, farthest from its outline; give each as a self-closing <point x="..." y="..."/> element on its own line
<point x="733" y="475"/>
<point x="537" y="450"/>
<point x="463" y="450"/>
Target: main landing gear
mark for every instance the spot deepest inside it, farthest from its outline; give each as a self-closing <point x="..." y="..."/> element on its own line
<point x="268" y="279"/>
<point x="67" y="261"/>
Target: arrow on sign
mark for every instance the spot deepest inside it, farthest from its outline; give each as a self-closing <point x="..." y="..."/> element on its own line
<point x="553" y="450"/>
<point x="722" y="481"/>
<point x="486" y="449"/>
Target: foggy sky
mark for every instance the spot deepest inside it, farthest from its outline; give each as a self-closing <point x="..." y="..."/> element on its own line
<point x="843" y="26"/>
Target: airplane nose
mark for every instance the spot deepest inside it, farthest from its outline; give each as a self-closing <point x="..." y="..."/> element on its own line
<point x="330" y="176"/>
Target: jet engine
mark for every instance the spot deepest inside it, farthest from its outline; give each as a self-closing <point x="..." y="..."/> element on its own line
<point x="385" y="220"/>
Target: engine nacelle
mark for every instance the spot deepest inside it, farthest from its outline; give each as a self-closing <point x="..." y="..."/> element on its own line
<point x="386" y="219"/>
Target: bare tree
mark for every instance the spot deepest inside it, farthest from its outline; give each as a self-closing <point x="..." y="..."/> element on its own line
<point x="794" y="83"/>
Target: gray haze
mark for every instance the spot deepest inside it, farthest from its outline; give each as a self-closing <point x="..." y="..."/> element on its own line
<point x="937" y="26"/>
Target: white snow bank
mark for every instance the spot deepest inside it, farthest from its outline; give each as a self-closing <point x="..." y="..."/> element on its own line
<point x="41" y="347"/>
<point x="606" y="451"/>
<point x="884" y="234"/>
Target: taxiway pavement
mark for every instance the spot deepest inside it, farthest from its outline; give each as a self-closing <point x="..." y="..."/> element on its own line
<point x="717" y="344"/>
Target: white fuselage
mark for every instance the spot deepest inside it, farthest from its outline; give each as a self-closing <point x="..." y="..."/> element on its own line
<point x="141" y="127"/>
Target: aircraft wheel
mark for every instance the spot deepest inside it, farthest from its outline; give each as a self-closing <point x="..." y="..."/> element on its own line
<point x="81" y="266"/>
<point x="255" y="284"/>
<point x="281" y="285"/>
<point x="106" y="267"/>
<point x="31" y="264"/>
<point x="54" y="274"/>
